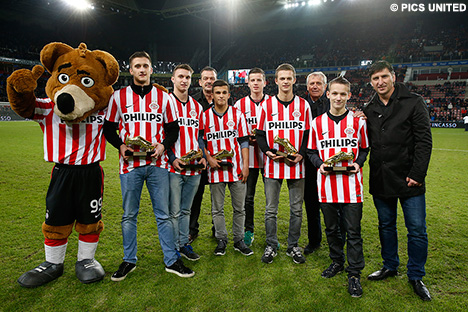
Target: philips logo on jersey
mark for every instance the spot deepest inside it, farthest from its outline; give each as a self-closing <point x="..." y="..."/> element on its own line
<point x="188" y="122"/>
<point x="333" y="143"/>
<point x="283" y="125"/>
<point x="251" y="120"/>
<point x="221" y="135"/>
<point x="90" y="120"/>
<point x="139" y="117"/>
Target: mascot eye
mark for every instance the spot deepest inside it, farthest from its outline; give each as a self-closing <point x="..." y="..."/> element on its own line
<point x="63" y="78"/>
<point x="87" y="82"/>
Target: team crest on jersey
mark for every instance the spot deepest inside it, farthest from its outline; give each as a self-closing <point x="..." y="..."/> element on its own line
<point x="349" y="130"/>
<point x="296" y="113"/>
<point x="154" y="105"/>
<point x="193" y="113"/>
<point x="230" y="123"/>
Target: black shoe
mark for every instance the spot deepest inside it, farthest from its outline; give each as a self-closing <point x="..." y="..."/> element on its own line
<point x="354" y="286"/>
<point x="309" y="249"/>
<point x="296" y="254"/>
<point x="220" y="250"/>
<point x="40" y="275"/>
<point x="124" y="269"/>
<point x="269" y="254"/>
<point x="421" y="290"/>
<point x="89" y="271"/>
<point x="242" y="248"/>
<point x="188" y="253"/>
<point x="180" y="269"/>
<point x="381" y="274"/>
<point x="192" y="237"/>
<point x="332" y="270"/>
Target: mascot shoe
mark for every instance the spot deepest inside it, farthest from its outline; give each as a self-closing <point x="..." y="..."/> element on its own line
<point x="89" y="271"/>
<point x="40" y="275"/>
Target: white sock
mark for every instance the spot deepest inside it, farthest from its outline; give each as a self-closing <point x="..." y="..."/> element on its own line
<point x="86" y="250"/>
<point x="55" y="254"/>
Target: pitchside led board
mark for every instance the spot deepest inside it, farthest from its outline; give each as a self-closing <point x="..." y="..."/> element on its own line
<point x="237" y="76"/>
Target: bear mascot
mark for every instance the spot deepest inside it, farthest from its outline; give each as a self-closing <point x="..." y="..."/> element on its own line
<point x="71" y="119"/>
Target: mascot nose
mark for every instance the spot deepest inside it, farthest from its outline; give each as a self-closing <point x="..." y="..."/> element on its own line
<point x="65" y="103"/>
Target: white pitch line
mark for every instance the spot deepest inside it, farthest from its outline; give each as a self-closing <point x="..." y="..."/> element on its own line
<point x="450" y="150"/>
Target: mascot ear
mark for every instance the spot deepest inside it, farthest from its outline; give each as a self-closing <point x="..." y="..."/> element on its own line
<point x="110" y="64"/>
<point x="51" y="52"/>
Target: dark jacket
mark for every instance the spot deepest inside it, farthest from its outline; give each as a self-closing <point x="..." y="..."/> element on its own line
<point x="401" y="143"/>
<point x="317" y="108"/>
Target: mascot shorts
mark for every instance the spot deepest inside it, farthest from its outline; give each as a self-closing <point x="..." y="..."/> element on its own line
<point x="75" y="193"/>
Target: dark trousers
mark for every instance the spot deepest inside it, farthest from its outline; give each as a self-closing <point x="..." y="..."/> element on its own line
<point x="350" y="222"/>
<point x="312" y="206"/>
<point x="250" y="196"/>
<point x="196" y="204"/>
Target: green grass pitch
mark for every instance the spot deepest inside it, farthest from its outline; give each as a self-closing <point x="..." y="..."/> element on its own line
<point x="232" y="282"/>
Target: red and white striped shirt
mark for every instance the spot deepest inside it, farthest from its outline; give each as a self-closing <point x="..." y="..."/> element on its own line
<point x="143" y="117"/>
<point x="189" y="115"/>
<point x="222" y="133"/>
<point x="288" y="122"/>
<point x="251" y="110"/>
<point x="329" y="138"/>
<point x="70" y="144"/>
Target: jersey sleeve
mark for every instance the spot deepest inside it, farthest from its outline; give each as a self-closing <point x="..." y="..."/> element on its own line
<point x="170" y="112"/>
<point x="243" y="130"/>
<point x="364" y="140"/>
<point x="113" y="114"/>
<point x="262" y="117"/>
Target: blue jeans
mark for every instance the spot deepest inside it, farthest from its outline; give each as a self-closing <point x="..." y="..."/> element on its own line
<point x="182" y="192"/>
<point x="157" y="182"/>
<point x="414" y="212"/>
<point x="272" y="194"/>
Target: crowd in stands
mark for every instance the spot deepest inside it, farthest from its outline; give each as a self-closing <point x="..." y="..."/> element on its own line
<point x="343" y="45"/>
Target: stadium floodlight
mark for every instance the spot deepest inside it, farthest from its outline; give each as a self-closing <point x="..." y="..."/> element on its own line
<point x="79" y="4"/>
<point x="314" y="2"/>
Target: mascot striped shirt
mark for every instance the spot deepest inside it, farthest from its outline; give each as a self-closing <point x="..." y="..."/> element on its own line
<point x="221" y="133"/>
<point x="189" y="115"/>
<point x="80" y="143"/>
<point x="141" y="116"/>
<point x="251" y="110"/>
<point x="329" y="138"/>
<point x="288" y="122"/>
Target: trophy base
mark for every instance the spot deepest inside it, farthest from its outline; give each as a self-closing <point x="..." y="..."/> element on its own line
<point x="290" y="157"/>
<point x="138" y="154"/>
<point x="339" y="169"/>
<point x="192" y="166"/>
<point x="225" y="164"/>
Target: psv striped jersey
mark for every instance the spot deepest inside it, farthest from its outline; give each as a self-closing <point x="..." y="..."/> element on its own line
<point x="222" y="133"/>
<point x="141" y="116"/>
<point x="329" y="138"/>
<point x="251" y="109"/>
<point x="189" y="115"/>
<point x="288" y="122"/>
<point x="75" y="144"/>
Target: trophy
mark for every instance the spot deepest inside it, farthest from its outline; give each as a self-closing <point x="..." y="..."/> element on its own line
<point x="338" y="157"/>
<point x="144" y="144"/>
<point x="288" y="147"/>
<point x="253" y="133"/>
<point x="192" y="155"/>
<point x="224" y="156"/>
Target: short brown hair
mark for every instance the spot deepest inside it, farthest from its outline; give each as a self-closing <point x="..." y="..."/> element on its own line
<point x="139" y="54"/>
<point x="379" y="66"/>
<point x="340" y="80"/>
<point x="208" y="68"/>
<point x="183" y="66"/>
<point x="285" y="66"/>
<point x="257" y="70"/>
<point x="220" y="83"/>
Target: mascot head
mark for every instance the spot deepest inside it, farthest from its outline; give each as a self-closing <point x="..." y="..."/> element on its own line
<point x="81" y="81"/>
